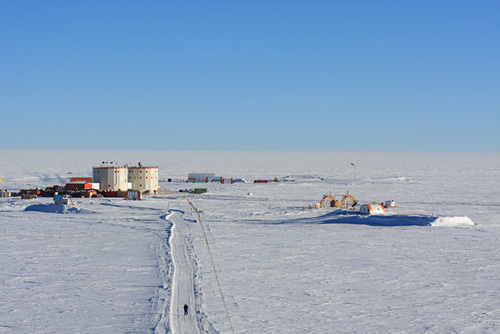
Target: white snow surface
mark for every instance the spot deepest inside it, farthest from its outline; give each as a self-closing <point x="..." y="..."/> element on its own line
<point x="117" y="266"/>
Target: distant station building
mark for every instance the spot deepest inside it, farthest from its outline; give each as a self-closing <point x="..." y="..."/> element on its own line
<point x="144" y="179"/>
<point x="137" y="178"/>
<point x="201" y="177"/>
<point x="111" y="178"/>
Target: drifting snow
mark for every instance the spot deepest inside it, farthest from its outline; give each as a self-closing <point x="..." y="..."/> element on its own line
<point x="52" y="208"/>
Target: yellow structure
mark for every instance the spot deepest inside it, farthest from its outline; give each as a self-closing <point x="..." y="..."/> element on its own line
<point x="343" y="201"/>
<point x="144" y="179"/>
<point x="111" y="178"/>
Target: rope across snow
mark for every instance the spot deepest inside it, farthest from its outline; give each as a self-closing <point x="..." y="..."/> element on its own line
<point x="200" y="221"/>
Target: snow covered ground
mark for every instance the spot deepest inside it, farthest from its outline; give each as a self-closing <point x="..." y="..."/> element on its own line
<point x="117" y="266"/>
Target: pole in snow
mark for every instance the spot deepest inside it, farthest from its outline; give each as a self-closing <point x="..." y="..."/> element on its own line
<point x="354" y="171"/>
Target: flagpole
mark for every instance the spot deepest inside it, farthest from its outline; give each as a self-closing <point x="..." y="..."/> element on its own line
<point x="354" y="172"/>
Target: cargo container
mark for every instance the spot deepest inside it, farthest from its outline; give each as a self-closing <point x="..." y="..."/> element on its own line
<point x="36" y="191"/>
<point x="81" y="186"/>
<point x="200" y="190"/>
<point x="89" y="193"/>
<point x="80" y="179"/>
<point x="5" y="193"/>
<point x="134" y="194"/>
<point x="118" y="193"/>
<point x="226" y="180"/>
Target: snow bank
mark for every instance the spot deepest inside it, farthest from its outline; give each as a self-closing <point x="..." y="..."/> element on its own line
<point x="453" y="221"/>
<point x="52" y="208"/>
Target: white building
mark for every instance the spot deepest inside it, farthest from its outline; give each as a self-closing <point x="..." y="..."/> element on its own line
<point x="111" y="178"/>
<point x="144" y="179"/>
<point x="201" y="177"/>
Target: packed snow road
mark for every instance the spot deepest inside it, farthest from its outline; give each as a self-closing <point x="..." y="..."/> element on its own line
<point x="92" y="270"/>
<point x="182" y="320"/>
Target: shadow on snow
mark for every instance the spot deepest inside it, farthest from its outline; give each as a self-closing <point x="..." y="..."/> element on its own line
<point x="342" y="217"/>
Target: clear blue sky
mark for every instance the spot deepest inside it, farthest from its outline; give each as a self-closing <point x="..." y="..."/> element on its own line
<point x="333" y="75"/>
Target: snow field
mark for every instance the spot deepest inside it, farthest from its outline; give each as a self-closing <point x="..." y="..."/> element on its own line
<point x="85" y="272"/>
<point x="341" y="278"/>
<point x="282" y="269"/>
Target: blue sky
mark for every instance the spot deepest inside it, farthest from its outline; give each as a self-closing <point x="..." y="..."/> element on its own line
<point x="336" y="75"/>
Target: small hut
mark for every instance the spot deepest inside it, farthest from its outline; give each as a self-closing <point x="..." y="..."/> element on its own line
<point x="372" y="209"/>
<point x="63" y="199"/>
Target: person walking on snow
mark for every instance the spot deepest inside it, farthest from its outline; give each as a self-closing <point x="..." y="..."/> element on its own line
<point x="186" y="309"/>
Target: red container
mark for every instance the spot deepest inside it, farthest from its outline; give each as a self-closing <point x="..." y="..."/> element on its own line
<point x="78" y="186"/>
<point x="80" y="179"/>
<point x="36" y="191"/>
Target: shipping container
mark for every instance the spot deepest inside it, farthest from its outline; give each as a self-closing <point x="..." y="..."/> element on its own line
<point x="79" y="186"/>
<point x="121" y="193"/>
<point x="80" y="179"/>
<point x="134" y="194"/>
<point x="37" y="191"/>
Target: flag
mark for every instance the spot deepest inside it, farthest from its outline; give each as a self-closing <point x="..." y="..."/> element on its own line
<point x="352" y="164"/>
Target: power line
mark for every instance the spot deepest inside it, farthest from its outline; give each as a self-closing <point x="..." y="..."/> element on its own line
<point x="213" y="265"/>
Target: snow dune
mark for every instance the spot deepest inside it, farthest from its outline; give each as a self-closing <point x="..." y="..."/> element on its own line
<point x="452" y="221"/>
